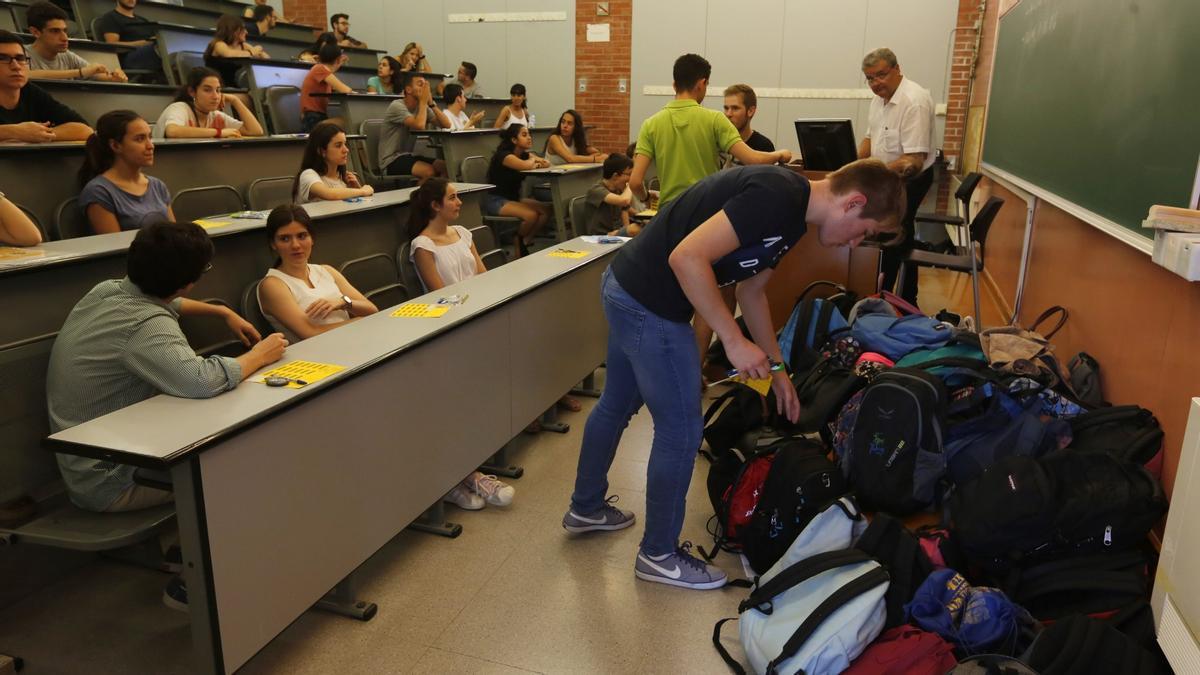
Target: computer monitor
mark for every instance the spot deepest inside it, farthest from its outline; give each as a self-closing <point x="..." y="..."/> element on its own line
<point x="826" y="145"/>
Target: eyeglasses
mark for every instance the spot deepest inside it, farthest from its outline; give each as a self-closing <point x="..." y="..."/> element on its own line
<point x="19" y="59"/>
<point x="878" y="77"/>
<point x="207" y="268"/>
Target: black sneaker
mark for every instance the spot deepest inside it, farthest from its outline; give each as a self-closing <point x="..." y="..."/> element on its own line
<point x="175" y="594"/>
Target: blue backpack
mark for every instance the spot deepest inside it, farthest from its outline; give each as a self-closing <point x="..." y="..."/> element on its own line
<point x="999" y="426"/>
<point x="810" y="325"/>
<point x="897" y="337"/>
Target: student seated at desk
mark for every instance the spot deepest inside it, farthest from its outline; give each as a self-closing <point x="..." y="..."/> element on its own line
<point x="381" y="81"/>
<point x="413" y="58"/>
<point x="323" y="174"/>
<point x="229" y="42"/>
<point x="251" y="9"/>
<point x="16" y="229"/>
<point x="121" y="26"/>
<point x="456" y="103"/>
<point x="610" y="199"/>
<point x="517" y="111"/>
<point x="321" y="80"/>
<point x="50" y="57"/>
<point x="28" y="114"/>
<point x="260" y="21"/>
<point x="122" y="344"/>
<point x="197" y="111"/>
<point x="310" y="54"/>
<point x="403" y="119"/>
<point x="116" y="194"/>
<point x="298" y="298"/>
<point x="512" y="157"/>
<point x="569" y="145"/>
<point x="444" y="254"/>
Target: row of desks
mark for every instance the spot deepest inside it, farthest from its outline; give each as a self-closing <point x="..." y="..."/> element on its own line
<point x="198" y="13"/>
<point x="241" y="461"/>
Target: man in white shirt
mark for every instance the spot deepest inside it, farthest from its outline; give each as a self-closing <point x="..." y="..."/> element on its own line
<point x="456" y="102"/>
<point x="900" y="132"/>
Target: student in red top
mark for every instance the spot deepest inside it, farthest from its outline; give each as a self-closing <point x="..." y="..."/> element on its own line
<point x="321" y="80"/>
<point x="198" y="111"/>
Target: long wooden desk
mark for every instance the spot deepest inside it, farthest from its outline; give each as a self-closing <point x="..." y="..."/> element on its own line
<point x="268" y="72"/>
<point x="47" y="171"/>
<point x="43" y="290"/>
<point x="91" y="99"/>
<point x="262" y="473"/>
<point x="566" y="181"/>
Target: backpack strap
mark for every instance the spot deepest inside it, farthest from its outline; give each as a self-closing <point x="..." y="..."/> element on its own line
<point x="762" y="598"/>
<point x="734" y="666"/>
<point x="838" y="599"/>
<point x="1121" y="583"/>
<point x="821" y="330"/>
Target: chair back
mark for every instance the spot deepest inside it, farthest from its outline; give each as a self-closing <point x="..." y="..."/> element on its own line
<point x="70" y="221"/>
<point x="209" y="335"/>
<point x="283" y="109"/>
<point x="483" y="238"/>
<point x="370" y="273"/>
<point x="494" y="258"/>
<point x="34" y="219"/>
<point x="474" y="169"/>
<point x="252" y="310"/>
<point x="963" y="194"/>
<point x="578" y="211"/>
<point x="388" y="296"/>
<point x="265" y="194"/>
<point x="185" y="61"/>
<point x="25" y="466"/>
<point x="408" y="271"/>
<point x="194" y="203"/>
<point x="373" y="130"/>
<point x="982" y="222"/>
<point x="94" y="31"/>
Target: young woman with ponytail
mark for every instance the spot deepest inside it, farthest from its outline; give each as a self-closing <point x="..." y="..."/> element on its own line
<point x="512" y="157"/>
<point x="442" y="252"/>
<point x="198" y="111"/>
<point x="116" y="194"/>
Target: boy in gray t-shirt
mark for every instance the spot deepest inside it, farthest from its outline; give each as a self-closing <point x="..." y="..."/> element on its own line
<point x="606" y="205"/>
<point x="49" y="56"/>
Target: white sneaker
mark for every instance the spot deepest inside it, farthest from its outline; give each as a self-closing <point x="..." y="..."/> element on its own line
<point x="495" y="492"/>
<point x="463" y="498"/>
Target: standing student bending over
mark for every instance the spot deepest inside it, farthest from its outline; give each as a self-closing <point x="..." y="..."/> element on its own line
<point x="512" y="157"/>
<point x="116" y="194"/>
<point x="323" y="173"/>
<point x="298" y="298"/>
<point x="730" y="228"/>
<point x="229" y="42"/>
<point x="197" y="111"/>
<point x="569" y="145"/>
<point x="444" y="254"/>
<point x="321" y="80"/>
<point x="28" y="114"/>
<point x="16" y="229"/>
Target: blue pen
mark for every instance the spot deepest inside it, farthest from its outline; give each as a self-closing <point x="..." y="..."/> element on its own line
<point x="775" y="367"/>
<point x="609" y="240"/>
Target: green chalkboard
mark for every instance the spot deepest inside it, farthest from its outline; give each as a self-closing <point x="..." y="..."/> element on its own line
<point x="1098" y="103"/>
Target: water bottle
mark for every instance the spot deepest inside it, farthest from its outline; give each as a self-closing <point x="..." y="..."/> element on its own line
<point x="532" y="120"/>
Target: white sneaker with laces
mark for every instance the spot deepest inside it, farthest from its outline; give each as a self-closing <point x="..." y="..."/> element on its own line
<point x="463" y="498"/>
<point x="493" y="490"/>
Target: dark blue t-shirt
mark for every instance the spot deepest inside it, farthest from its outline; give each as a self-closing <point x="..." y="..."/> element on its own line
<point x="767" y="206"/>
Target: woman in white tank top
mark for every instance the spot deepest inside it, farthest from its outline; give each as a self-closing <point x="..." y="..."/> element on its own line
<point x="517" y="111"/>
<point x="299" y="299"/>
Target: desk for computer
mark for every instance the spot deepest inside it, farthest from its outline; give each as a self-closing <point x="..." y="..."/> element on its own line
<point x="278" y="501"/>
<point x="566" y="181"/>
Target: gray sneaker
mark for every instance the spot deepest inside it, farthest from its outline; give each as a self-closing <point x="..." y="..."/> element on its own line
<point x="608" y="518"/>
<point x="681" y="569"/>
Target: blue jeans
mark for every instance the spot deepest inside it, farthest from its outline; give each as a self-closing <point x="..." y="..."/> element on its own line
<point x="654" y="361"/>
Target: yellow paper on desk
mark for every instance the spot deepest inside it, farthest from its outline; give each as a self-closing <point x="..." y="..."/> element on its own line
<point x="305" y="371"/>
<point x="13" y="253"/>
<point x="210" y="224"/>
<point x="646" y="213"/>
<point x="420" y="310"/>
<point x="761" y="386"/>
<point x="567" y="253"/>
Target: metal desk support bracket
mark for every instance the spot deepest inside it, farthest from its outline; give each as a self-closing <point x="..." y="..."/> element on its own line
<point x="343" y="600"/>
<point x="433" y="521"/>
<point x="498" y="465"/>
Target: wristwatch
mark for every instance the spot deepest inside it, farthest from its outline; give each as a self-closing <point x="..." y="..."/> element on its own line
<point x="348" y="302"/>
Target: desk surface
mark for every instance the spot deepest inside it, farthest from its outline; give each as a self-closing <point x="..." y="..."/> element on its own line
<point x="126" y="435"/>
<point x="563" y="169"/>
<point x="53" y="253"/>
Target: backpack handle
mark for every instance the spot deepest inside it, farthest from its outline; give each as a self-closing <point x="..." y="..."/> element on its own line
<point x="1062" y="319"/>
<point x="817" y="284"/>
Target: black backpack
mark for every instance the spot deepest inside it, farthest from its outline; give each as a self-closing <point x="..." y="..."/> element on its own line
<point x="1087" y="584"/>
<point x="1127" y="432"/>
<point x="730" y="415"/>
<point x="822" y="394"/>
<point x="893" y="455"/>
<point x="888" y="541"/>
<point x="1081" y="644"/>
<point x="802" y="481"/>
<point x="1023" y="510"/>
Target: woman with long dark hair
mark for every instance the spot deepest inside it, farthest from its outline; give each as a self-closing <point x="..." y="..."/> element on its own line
<point x="517" y="111"/>
<point x="198" y="111"/>
<point x="323" y="173"/>
<point x="569" y="145"/>
<point x="298" y="298"/>
<point x="116" y="194"/>
<point x="229" y="42"/>
<point x="512" y="156"/>
<point x="381" y="81"/>
<point x="442" y="252"/>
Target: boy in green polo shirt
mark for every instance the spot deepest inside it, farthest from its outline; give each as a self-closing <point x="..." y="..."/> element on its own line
<point x="685" y="140"/>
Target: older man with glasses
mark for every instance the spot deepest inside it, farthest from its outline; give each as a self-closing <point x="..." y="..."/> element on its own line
<point x="899" y="132"/>
<point x="27" y="113"/>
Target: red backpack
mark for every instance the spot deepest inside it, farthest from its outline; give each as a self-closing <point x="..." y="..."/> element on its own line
<point x="739" y="501"/>
<point x="905" y="650"/>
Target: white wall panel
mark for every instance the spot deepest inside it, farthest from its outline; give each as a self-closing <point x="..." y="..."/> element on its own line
<point x="541" y="55"/>
<point x="824" y="45"/>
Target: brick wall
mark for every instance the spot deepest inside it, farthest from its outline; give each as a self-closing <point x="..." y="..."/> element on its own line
<point x="603" y="63"/>
<point x="962" y="69"/>
<point x="307" y="12"/>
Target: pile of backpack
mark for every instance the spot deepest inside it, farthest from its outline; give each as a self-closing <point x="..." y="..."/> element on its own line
<point x="1044" y="496"/>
